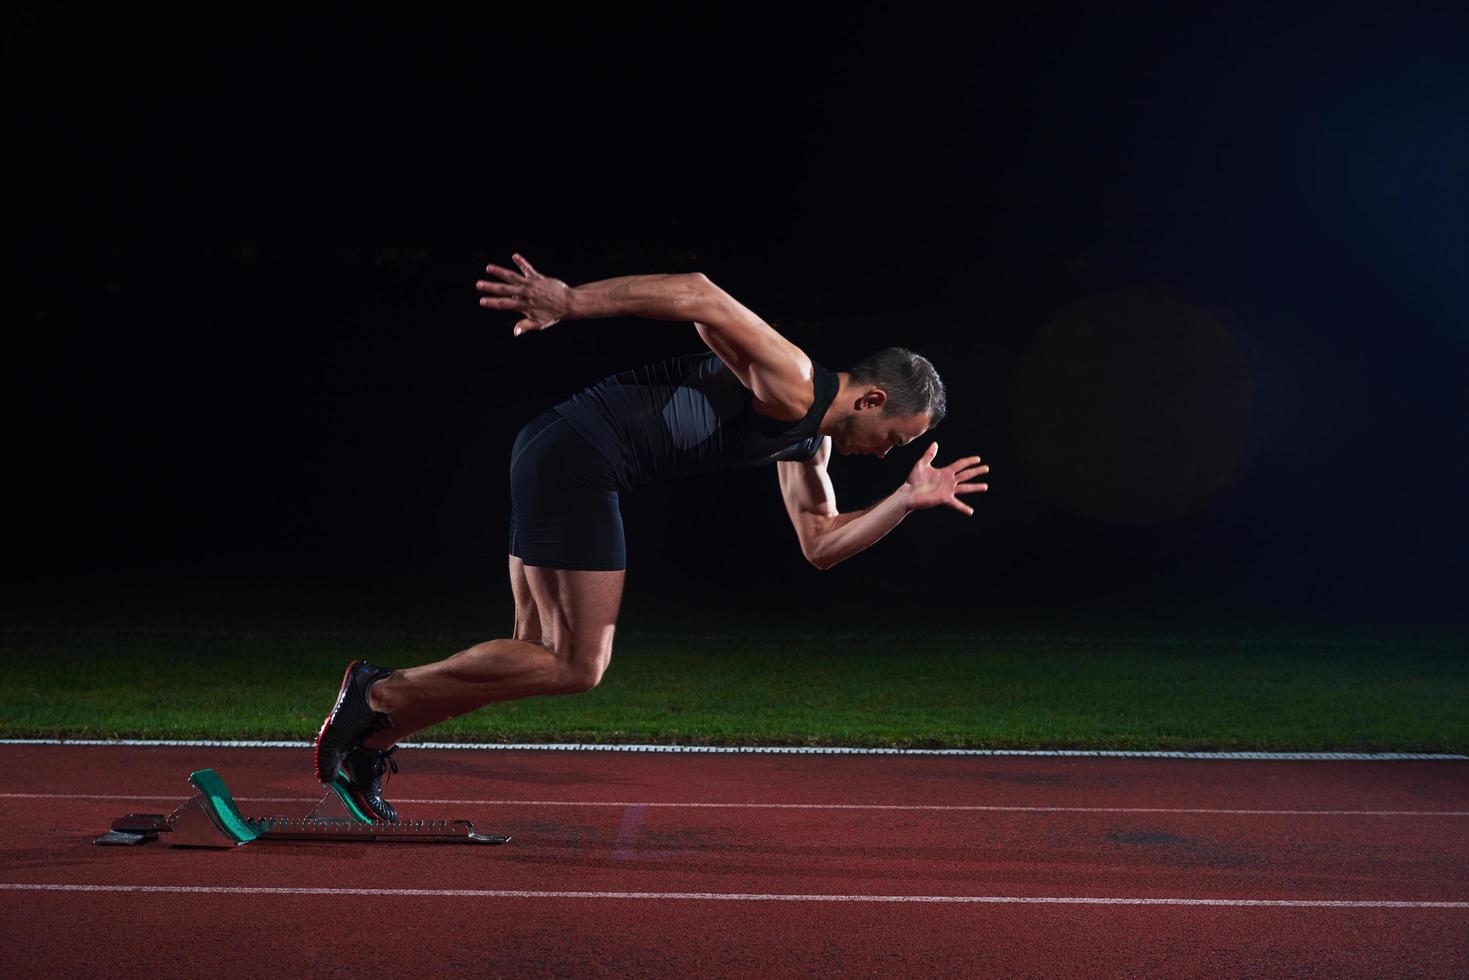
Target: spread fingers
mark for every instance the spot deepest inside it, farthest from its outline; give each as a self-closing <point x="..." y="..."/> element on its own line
<point x="509" y="275"/>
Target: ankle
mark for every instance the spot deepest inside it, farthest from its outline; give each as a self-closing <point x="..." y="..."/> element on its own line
<point x="380" y="695"/>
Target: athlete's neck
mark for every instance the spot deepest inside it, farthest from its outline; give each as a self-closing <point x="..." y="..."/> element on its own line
<point x="832" y="420"/>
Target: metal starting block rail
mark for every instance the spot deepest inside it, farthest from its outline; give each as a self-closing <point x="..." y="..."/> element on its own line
<point x="210" y="818"/>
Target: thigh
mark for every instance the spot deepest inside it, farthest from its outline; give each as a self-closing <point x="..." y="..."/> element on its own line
<point x="564" y="510"/>
<point x="578" y="613"/>
<point x="527" y="617"/>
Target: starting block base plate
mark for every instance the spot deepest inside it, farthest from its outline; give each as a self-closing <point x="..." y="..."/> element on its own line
<point x="210" y="819"/>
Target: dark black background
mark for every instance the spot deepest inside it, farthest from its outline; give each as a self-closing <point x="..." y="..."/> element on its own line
<point x="243" y="350"/>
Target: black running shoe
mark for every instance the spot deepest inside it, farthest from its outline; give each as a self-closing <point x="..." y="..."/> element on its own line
<point x="364" y="768"/>
<point x="351" y="719"/>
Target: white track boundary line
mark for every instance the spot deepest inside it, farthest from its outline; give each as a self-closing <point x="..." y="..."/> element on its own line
<point x="740" y="897"/>
<point x="775" y="750"/>
<point x="905" y="807"/>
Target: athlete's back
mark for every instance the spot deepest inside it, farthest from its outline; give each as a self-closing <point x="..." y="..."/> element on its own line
<point x="689" y="414"/>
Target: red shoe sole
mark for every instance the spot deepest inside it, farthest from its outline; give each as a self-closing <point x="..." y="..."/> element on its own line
<point x="341" y="694"/>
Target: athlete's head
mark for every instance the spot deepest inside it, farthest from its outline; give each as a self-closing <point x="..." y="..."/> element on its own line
<point x="887" y="400"/>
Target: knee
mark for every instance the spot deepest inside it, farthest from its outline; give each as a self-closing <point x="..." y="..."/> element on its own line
<point x="583" y="663"/>
<point x="579" y="677"/>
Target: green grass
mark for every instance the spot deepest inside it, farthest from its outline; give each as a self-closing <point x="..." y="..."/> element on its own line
<point x="939" y="690"/>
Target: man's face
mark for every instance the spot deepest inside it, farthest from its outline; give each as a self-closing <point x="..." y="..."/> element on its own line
<point x="870" y="433"/>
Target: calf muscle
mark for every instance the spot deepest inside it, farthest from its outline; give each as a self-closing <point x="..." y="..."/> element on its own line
<point x="574" y="614"/>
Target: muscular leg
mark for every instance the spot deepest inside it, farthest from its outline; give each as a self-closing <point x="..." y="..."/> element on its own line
<point x="527" y="617"/>
<point x="563" y="645"/>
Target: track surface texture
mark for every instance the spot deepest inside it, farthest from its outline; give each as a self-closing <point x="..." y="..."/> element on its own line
<point x="753" y="866"/>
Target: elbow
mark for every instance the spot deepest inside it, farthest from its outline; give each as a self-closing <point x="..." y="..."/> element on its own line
<point x="698" y="285"/>
<point x="816" y="549"/>
<point x="697" y="295"/>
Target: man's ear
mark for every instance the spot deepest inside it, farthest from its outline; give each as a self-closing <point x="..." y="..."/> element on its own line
<point x="872" y="398"/>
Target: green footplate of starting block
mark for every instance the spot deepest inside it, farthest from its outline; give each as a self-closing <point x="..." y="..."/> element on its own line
<point x="338" y="785"/>
<point x="216" y="796"/>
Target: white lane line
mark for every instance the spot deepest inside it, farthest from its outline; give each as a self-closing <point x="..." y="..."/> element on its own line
<point x="781" y="750"/>
<point x="740" y="897"/>
<point x="941" y="807"/>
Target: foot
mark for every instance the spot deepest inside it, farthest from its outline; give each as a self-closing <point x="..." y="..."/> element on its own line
<point x="363" y="769"/>
<point x="351" y="719"/>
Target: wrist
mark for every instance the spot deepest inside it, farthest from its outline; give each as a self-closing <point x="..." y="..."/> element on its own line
<point x="576" y="303"/>
<point x="905" y="497"/>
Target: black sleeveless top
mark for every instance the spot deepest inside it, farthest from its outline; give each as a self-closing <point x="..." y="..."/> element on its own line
<point x="689" y="415"/>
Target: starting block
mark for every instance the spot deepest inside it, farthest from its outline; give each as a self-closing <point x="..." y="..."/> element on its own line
<point x="210" y="818"/>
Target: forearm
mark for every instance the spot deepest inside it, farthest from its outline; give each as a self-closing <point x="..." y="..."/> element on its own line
<point x="656" y="297"/>
<point x="860" y="530"/>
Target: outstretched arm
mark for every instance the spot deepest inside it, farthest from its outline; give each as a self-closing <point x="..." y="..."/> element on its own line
<point x="776" y="371"/>
<point x="828" y="537"/>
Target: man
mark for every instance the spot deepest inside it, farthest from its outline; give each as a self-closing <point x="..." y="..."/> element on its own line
<point x="756" y="399"/>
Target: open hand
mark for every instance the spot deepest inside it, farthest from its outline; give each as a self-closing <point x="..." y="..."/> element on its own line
<point x="931" y="487"/>
<point x="543" y="301"/>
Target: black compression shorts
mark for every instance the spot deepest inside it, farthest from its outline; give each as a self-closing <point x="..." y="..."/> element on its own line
<point x="563" y="500"/>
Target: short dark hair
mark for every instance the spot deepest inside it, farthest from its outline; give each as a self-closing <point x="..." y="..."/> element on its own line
<point x="912" y="385"/>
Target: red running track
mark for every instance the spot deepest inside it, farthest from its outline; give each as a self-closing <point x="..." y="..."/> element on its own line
<point x="754" y="865"/>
